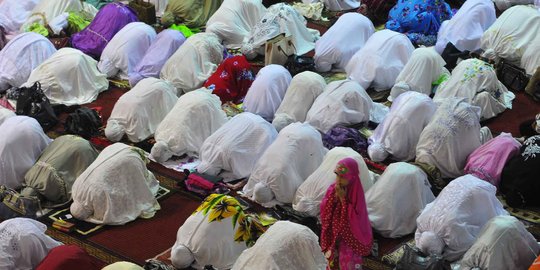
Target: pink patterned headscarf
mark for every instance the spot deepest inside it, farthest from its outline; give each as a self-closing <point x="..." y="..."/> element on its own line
<point x="346" y="232"/>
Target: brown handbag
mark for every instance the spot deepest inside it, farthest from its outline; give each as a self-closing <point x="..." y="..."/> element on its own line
<point x="146" y="11"/>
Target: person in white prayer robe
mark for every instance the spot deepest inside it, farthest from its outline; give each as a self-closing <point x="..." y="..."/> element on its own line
<point x="467" y="27"/>
<point x="21" y="142"/>
<point x="531" y="57"/>
<point x="311" y="192"/>
<point x="422" y="71"/>
<point x="401" y="184"/>
<point x="33" y="48"/>
<point x="138" y="112"/>
<point x="477" y="81"/>
<point x="234" y="19"/>
<point x="450" y="224"/>
<point x="195" y="116"/>
<point x="5" y="114"/>
<point x="69" y="77"/>
<point x="13" y="13"/>
<point x="285" y="245"/>
<point x="199" y="56"/>
<point x="380" y="61"/>
<point x="398" y="134"/>
<point x="503" y="5"/>
<point x="295" y="154"/>
<point x="126" y="49"/>
<point x="267" y="91"/>
<point x="504" y="243"/>
<point x="116" y="188"/>
<point x="453" y="134"/>
<point x="342" y="40"/>
<point x="23" y="243"/>
<point x="46" y="11"/>
<point x="236" y="146"/>
<point x="342" y="102"/>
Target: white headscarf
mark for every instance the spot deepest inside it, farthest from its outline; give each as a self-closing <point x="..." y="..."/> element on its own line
<point x="13" y="13"/>
<point x="236" y="146"/>
<point x="200" y="56"/>
<point x="452" y="222"/>
<point x="33" y="48"/>
<point x="234" y="19"/>
<point x="122" y="266"/>
<point x="289" y="160"/>
<point x="69" y="77"/>
<point x="309" y="195"/>
<point x="126" y="49"/>
<point x="337" y="46"/>
<point x="466" y="28"/>
<point x="342" y="102"/>
<point x="138" y="112"/>
<point x="302" y="92"/>
<point x="116" y="188"/>
<point x="476" y="81"/>
<point x="400" y="130"/>
<point x="400" y="184"/>
<point x="5" y="114"/>
<point x="267" y="91"/>
<point x="423" y="69"/>
<point x="285" y="245"/>
<point x="21" y="142"/>
<point x="531" y="57"/>
<point x="503" y="5"/>
<point x="380" y="61"/>
<point x="23" y="243"/>
<point x="504" y="243"/>
<point x="45" y="11"/>
<point x="194" y="117"/>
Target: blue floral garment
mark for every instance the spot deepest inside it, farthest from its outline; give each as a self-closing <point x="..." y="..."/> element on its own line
<point x="419" y="19"/>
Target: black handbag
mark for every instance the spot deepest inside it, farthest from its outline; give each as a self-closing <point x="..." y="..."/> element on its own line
<point x="31" y="101"/>
<point x="146" y="11"/>
<point x="513" y="77"/>
<point x="451" y="54"/>
<point x="298" y="64"/>
<point x="13" y="204"/>
<point x="84" y="122"/>
<point x="414" y="259"/>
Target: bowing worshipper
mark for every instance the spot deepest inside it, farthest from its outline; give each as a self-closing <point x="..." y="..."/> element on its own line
<point x="5" y="114"/>
<point x="23" y="243"/>
<point x="451" y="136"/>
<point x="53" y="14"/>
<point x="420" y="20"/>
<point x="234" y="19"/>
<point x="339" y="5"/>
<point x="344" y="38"/>
<point x="232" y="79"/>
<point x="398" y="134"/>
<point x="531" y="59"/>
<point x="376" y="10"/>
<point x="280" y="19"/>
<point x="304" y="89"/>
<point x="488" y="160"/>
<point x="342" y="102"/>
<point x="450" y="224"/>
<point x="467" y="26"/>
<point x="285" y="245"/>
<point x="216" y="234"/>
<point x="295" y="154"/>
<point x="346" y="234"/>
<point x="519" y="179"/>
<point x="126" y="49"/>
<point x="267" y="91"/>
<point x="116" y="188"/>
<point x="504" y="243"/>
<point x="69" y="77"/>
<point x="236" y="146"/>
<point x="503" y="5"/>
<point x="311" y="192"/>
<point x="21" y="142"/>
<point x="194" y="117"/>
<point x="33" y="48"/>
<point x="192" y="13"/>
<point x="401" y="184"/>
<point x="424" y="70"/>
<point x="380" y="61"/>
<point x="13" y="13"/>
<point x="200" y="56"/>
<point x="511" y="34"/>
<point x="476" y="81"/>
<point x="93" y="39"/>
<point x="122" y="266"/>
<point x="52" y="176"/>
<point x="69" y="257"/>
<point x="162" y="48"/>
<point x="138" y="112"/>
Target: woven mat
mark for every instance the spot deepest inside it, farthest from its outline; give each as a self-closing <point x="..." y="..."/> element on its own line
<point x="530" y="215"/>
<point x="393" y="257"/>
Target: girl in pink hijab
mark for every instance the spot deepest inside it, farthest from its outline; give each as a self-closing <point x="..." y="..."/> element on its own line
<point x="346" y="232"/>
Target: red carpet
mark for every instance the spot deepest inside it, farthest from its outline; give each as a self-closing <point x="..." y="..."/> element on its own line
<point x="523" y="108"/>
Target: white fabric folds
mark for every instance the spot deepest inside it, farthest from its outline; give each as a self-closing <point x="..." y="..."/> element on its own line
<point x="13" y="13"/>
<point x="5" y="114"/>
<point x="46" y="11"/>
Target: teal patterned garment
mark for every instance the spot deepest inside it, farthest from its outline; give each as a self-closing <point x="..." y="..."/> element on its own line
<point x="98" y="3"/>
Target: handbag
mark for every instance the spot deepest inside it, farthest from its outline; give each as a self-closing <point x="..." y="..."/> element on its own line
<point x="414" y="259"/>
<point x="84" y="122"/>
<point x="146" y="11"/>
<point x="513" y="77"/>
<point x="278" y="49"/>
<point x="298" y="64"/>
<point x="60" y="42"/>
<point x="14" y="204"/>
<point x="31" y="101"/>
<point x="451" y="54"/>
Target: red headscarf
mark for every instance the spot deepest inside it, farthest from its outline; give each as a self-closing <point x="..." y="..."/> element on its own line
<point x="69" y="257"/>
<point x="345" y="220"/>
<point x="231" y="80"/>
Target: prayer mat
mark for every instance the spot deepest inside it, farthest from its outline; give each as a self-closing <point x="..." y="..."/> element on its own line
<point x="531" y="215"/>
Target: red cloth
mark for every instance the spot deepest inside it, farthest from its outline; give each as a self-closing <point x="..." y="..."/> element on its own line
<point x="231" y="80"/>
<point x="69" y="257"/>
